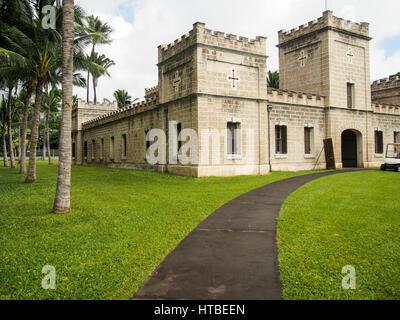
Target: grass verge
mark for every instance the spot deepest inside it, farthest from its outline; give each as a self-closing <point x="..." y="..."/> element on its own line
<point x="122" y="225"/>
<point x="346" y="219"/>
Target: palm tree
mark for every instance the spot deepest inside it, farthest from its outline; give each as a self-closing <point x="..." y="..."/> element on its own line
<point x="18" y="115"/>
<point x="37" y="50"/>
<point x="10" y="87"/>
<point x="18" y="14"/>
<point x="121" y="96"/>
<point x="96" y="32"/>
<point x="103" y="62"/>
<point x="34" y="48"/>
<point x="51" y="102"/>
<point x="273" y="79"/>
<point x="30" y="84"/>
<point x="62" y="202"/>
<point x="3" y="120"/>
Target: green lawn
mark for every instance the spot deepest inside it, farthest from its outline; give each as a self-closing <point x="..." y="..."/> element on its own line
<point x="346" y="219"/>
<point x="122" y="225"/>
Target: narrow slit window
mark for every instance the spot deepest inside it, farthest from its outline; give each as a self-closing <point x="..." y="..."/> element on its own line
<point x="148" y="143"/>
<point x="93" y="149"/>
<point x="178" y="132"/>
<point x="350" y="95"/>
<point x="396" y="137"/>
<point x="112" y="148"/>
<point x="307" y="140"/>
<point x="281" y="139"/>
<point x="233" y="138"/>
<point x="378" y="142"/>
<point x="124" y="146"/>
<point x="73" y="149"/>
<point x="85" y="149"/>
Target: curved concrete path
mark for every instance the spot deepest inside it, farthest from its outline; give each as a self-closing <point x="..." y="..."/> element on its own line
<point x="232" y="255"/>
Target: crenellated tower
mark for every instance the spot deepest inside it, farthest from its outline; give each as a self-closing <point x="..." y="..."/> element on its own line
<point x="329" y="57"/>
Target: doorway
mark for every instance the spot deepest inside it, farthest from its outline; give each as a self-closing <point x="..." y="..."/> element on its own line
<point x="349" y="149"/>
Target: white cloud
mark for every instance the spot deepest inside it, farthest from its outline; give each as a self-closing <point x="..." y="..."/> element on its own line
<point x="156" y="22"/>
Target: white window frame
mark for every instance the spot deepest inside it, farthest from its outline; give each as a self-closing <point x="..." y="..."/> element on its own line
<point x="238" y="132"/>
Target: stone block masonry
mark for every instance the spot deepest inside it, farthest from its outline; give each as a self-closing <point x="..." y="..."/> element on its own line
<point x="214" y="85"/>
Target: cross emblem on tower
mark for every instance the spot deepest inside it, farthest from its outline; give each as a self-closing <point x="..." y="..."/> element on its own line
<point x="233" y="78"/>
<point x="303" y="58"/>
<point x="350" y="54"/>
<point x="176" y="81"/>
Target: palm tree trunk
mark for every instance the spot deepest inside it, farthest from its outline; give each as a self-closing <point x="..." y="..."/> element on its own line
<point x="88" y="80"/>
<point x="62" y="201"/>
<point x="29" y="91"/>
<point x="19" y="143"/>
<point x="88" y="86"/>
<point x="31" y="177"/>
<point x="9" y="120"/>
<point x="48" y="138"/>
<point x="44" y="143"/>
<point x="94" y="89"/>
<point x="3" y="134"/>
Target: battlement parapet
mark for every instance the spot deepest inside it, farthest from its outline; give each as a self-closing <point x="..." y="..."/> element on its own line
<point x="328" y="20"/>
<point x="151" y="93"/>
<point x="386" y="83"/>
<point x="119" y="114"/>
<point x="386" y="108"/>
<point x="199" y="34"/>
<point x="81" y="104"/>
<point x="292" y="97"/>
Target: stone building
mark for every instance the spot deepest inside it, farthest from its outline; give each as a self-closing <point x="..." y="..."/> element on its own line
<point x="212" y="92"/>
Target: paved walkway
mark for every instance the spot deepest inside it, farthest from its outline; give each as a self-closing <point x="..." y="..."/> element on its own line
<point x="232" y="255"/>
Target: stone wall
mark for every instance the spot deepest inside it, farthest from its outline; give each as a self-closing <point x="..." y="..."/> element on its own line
<point x="208" y="79"/>
<point x="386" y="91"/>
<point x="297" y="111"/>
<point x="323" y="56"/>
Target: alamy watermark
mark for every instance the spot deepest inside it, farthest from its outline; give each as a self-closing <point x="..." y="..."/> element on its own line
<point x="208" y="146"/>
<point x="49" y="280"/>
<point x="349" y="280"/>
<point x="49" y="18"/>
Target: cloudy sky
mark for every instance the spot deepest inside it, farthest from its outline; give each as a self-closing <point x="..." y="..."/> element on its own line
<point x="141" y="25"/>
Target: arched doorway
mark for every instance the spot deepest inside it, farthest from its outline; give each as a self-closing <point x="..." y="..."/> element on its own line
<point x="351" y="149"/>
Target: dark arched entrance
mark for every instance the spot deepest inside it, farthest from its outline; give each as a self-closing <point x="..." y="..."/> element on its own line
<point x="349" y="149"/>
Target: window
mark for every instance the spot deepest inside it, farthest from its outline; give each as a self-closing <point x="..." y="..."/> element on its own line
<point x="281" y="139"/>
<point x="378" y="142"/>
<point x="73" y="149"/>
<point x="147" y="141"/>
<point x="178" y="132"/>
<point x="176" y="128"/>
<point x="112" y="148"/>
<point x="397" y="137"/>
<point x="308" y="137"/>
<point x="233" y="138"/>
<point x="102" y="149"/>
<point x="85" y="148"/>
<point x="350" y="95"/>
<point x="93" y="149"/>
<point x="124" y="146"/>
